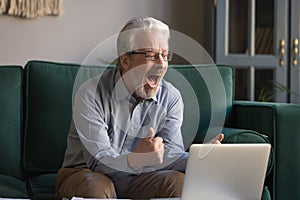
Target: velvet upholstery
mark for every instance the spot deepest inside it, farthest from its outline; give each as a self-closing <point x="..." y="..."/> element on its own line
<point x="11" y="124"/>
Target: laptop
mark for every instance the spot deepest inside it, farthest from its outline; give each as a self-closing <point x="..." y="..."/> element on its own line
<point x="225" y="171"/>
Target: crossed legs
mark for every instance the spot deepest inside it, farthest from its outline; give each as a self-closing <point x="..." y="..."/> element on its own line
<point x="85" y="183"/>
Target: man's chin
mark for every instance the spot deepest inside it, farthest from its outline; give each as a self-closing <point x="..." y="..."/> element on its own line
<point x="151" y="92"/>
<point x="146" y="92"/>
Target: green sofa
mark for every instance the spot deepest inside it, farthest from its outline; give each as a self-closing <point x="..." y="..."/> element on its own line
<point x="36" y="109"/>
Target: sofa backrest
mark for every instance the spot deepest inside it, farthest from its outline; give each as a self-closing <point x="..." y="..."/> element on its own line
<point x="11" y="120"/>
<point x="204" y="101"/>
<point x="48" y="97"/>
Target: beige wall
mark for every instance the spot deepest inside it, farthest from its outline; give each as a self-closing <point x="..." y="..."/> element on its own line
<point x="85" y="23"/>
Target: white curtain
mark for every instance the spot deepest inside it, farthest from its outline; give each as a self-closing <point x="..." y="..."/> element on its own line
<point x="30" y="8"/>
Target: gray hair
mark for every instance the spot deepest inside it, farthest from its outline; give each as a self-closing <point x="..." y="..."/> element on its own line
<point x="126" y="39"/>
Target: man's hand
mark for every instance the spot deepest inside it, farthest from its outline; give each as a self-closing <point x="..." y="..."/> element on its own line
<point x="149" y="152"/>
<point x="217" y="140"/>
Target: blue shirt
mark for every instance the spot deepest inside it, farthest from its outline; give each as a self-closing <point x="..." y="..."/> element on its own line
<point x="108" y="123"/>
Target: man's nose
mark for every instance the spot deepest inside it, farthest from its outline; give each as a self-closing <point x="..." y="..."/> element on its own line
<point x="160" y="66"/>
<point x="160" y="59"/>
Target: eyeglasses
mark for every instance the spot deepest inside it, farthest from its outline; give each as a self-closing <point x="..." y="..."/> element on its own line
<point x="154" y="56"/>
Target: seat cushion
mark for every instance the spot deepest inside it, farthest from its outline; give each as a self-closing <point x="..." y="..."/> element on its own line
<point x="42" y="186"/>
<point x="11" y="187"/>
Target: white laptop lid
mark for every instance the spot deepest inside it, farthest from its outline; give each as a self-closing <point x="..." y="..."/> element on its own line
<point x="225" y="171"/>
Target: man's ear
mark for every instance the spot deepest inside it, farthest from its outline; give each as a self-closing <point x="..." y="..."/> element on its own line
<point x="125" y="61"/>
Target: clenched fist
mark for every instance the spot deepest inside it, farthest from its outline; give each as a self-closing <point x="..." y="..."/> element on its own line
<point x="149" y="152"/>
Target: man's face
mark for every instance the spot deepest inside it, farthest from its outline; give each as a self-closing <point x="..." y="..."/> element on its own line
<point x="146" y="65"/>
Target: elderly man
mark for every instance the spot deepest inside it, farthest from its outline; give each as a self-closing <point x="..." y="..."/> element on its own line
<point x="125" y="139"/>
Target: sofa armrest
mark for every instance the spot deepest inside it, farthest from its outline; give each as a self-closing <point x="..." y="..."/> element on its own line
<point x="281" y="123"/>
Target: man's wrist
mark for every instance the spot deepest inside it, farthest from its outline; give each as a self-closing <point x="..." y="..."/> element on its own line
<point x="135" y="161"/>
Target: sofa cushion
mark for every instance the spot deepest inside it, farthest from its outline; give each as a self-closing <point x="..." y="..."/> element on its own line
<point x="42" y="186"/>
<point x="48" y="93"/>
<point x="11" y="187"/>
<point x="11" y="120"/>
<point x="196" y="87"/>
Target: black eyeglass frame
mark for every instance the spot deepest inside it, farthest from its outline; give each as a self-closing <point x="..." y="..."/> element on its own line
<point x="156" y="55"/>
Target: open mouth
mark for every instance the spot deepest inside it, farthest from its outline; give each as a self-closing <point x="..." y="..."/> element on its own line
<point x="153" y="80"/>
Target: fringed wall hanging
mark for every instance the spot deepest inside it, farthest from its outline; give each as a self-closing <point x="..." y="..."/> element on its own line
<point x="30" y="8"/>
